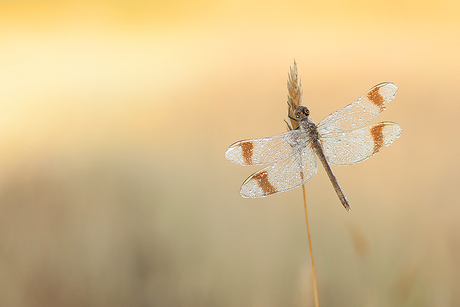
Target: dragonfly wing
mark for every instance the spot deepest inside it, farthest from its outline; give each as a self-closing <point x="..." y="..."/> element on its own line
<point x="266" y="150"/>
<point x="357" y="145"/>
<point x="359" y="112"/>
<point x="283" y="175"/>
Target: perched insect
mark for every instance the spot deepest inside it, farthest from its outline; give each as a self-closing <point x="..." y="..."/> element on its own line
<point x="336" y="140"/>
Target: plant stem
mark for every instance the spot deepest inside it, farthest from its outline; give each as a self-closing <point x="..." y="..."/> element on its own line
<point x="311" y="250"/>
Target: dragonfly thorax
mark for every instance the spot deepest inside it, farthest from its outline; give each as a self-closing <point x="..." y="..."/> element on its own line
<point x="306" y="124"/>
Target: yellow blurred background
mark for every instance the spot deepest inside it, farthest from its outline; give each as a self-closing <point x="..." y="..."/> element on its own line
<point x="114" y="119"/>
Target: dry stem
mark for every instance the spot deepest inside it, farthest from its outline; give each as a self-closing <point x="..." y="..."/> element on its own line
<point x="294" y="100"/>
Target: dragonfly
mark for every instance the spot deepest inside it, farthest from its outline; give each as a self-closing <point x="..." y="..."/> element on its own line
<point x="337" y="140"/>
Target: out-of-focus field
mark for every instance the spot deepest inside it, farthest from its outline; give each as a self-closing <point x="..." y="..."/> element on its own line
<point x="114" y="119"/>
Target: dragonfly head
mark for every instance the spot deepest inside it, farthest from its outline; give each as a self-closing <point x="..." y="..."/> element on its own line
<point x="301" y="112"/>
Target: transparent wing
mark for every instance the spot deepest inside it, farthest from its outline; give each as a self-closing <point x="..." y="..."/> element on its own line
<point x="265" y="150"/>
<point x="359" y="112"/>
<point x="283" y="175"/>
<point x="357" y="145"/>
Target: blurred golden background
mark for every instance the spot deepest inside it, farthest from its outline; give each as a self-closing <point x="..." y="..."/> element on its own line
<point x="114" y="119"/>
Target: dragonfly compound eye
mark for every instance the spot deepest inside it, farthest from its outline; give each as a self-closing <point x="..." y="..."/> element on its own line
<point x="301" y="110"/>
